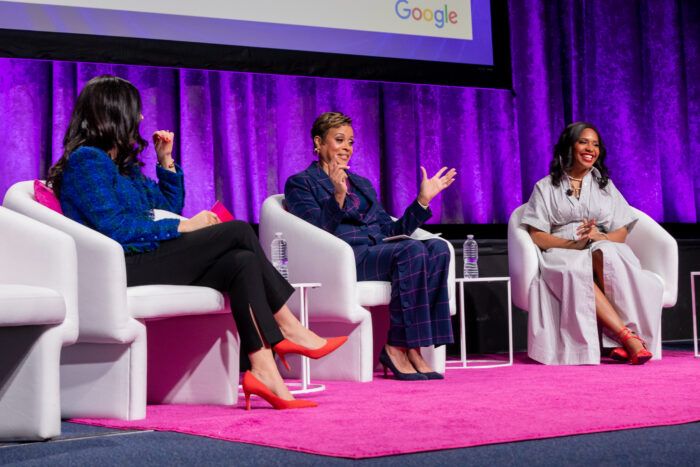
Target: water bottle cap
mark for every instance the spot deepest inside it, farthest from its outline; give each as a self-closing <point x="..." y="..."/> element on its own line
<point x="278" y="234"/>
<point x="470" y="236"/>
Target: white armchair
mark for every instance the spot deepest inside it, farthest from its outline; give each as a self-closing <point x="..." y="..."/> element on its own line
<point x="184" y="334"/>
<point x="656" y="249"/>
<point x="342" y="305"/>
<point x="38" y="315"/>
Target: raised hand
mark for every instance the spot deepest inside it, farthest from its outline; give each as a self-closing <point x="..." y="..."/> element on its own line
<point x="201" y="220"/>
<point x="163" y="143"/>
<point x="338" y="175"/>
<point x="430" y="187"/>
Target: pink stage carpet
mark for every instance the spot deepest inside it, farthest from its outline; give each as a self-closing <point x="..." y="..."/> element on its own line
<point x="469" y="408"/>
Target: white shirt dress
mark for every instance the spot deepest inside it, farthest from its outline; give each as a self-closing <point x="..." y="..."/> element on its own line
<point x="562" y="325"/>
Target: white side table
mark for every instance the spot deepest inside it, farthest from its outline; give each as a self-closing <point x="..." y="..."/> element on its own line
<point x="463" y="362"/>
<point x="305" y="385"/>
<point x="695" y="316"/>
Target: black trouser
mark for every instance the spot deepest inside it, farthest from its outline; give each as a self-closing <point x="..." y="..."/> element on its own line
<point x="226" y="257"/>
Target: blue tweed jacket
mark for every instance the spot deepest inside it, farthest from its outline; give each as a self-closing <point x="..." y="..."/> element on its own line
<point x="94" y="193"/>
<point x="309" y="195"/>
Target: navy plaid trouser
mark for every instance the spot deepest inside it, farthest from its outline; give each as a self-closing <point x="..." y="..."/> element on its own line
<point x="419" y="308"/>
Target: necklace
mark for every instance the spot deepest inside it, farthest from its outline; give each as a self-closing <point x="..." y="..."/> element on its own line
<point x="575" y="190"/>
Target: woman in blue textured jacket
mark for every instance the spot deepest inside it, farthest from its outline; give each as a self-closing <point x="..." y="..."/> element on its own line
<point x="100" y="184"/>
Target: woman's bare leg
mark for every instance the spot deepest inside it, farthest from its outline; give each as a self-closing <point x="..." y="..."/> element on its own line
<point x="598" y="270"/>
<point x="399" y="357"/>
<point x="264" y="368"/>
<point x="418" y="362"/>
<point x="293" y="331"/>
<point x="604" y="310"/>
<point x="610" y="319"/>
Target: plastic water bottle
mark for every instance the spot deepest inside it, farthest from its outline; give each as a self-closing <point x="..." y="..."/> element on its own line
<point x="470" y="252"/>
<point x="279" y="254"/>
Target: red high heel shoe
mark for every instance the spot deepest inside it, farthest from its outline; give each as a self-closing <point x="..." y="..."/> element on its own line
<point x="619" y="354"/>
<point x="251" y="385"/>
<point x="643" y="355"/>
<point x="284" y="347"/>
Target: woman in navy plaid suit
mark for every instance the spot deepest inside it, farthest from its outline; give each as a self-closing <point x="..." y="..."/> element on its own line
<point x="331" y="197"/>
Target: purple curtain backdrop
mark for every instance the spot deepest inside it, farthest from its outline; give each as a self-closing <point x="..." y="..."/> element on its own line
<point x="630" y="67"/>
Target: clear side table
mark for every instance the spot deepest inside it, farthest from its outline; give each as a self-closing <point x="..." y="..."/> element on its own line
<point x="305" y="386"/>
<point x="695" y="316"/>
<point x="463" y="362"/>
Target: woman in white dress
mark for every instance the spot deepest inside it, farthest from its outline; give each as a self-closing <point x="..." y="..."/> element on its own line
<point x="589" y="280"/>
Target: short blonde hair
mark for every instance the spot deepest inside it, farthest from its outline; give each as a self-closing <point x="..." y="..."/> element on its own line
<point x="326" y="121"/>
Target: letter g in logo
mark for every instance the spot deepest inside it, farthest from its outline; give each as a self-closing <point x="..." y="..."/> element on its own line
<point x="406" y="11"/>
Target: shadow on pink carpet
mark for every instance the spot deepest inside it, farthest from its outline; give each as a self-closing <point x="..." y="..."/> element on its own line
<point x="468" y="408"/>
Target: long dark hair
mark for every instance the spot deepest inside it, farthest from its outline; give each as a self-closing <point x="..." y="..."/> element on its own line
<point x="563" y="159"/>
<point x="106" y="115"/>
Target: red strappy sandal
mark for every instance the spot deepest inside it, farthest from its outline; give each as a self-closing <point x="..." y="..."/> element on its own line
<point x="619" y="354"/>
<point x="643" y="355"/>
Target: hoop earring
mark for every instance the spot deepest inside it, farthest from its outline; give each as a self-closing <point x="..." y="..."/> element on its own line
<point x="316" y="150"/>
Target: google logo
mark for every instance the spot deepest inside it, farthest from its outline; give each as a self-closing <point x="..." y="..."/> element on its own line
<point x="439" y="16"/>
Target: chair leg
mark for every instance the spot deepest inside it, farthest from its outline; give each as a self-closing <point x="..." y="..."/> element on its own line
<point x="104" y="380"/>
<point x="193" y="360"/>
<point x="435" y="357"/>
<point x="29" y="382"/>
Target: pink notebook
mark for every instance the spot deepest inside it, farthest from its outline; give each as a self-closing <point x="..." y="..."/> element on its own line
<point x="221" y="211"/>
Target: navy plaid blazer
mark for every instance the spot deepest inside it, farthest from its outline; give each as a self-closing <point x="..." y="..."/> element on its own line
<point x="309" y="195"/>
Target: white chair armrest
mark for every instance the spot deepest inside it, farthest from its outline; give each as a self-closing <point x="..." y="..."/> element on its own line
<point x="523" y="263"/>
<point x="29" y="305"/>
<point x="101" y="270"/>
<point x="657" y="251"/>
<point x="34" y="254"/>
<point x="314" y="256"/>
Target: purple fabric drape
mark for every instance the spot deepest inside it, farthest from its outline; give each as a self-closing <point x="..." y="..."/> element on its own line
<point x="630" y="67"/>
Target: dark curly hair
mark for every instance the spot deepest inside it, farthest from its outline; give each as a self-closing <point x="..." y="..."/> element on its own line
<point x="563" y="159"/>
<point x="106" y="115"/>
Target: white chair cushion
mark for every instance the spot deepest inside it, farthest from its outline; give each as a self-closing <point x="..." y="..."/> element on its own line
<point x="162" y="301"/>
<point x="25" y="305"/>
<point x="373" y="293"/>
